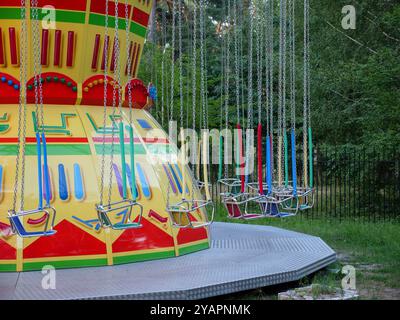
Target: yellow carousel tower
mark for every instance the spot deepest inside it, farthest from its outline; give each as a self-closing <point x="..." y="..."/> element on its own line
<point x="77" y="62"/>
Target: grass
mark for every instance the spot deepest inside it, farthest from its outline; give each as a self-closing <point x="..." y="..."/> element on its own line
<point x="372" y="248"/>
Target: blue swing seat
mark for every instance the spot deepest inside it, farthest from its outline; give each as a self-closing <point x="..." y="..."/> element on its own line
<point x="22" y="232"/>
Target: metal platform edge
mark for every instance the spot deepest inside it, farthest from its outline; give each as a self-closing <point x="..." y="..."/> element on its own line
<point x="227" y="288"/>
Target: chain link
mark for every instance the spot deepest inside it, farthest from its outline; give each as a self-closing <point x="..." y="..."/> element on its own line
<point x="129" y="62"/>
<point x="116" y="91"/>
<point x="180" y="65"/>
<point x="202" y="65"/>
<point x="21" y="109"/>
<point x="259" y="37"/>
<point x="292" y="52"/>
<point x="171" y="115"/>
<point x="282" y="83"/>
<point x="237" y="66"/>
<point x="250" y="66"/>
<point x="106" y="49"/>
<point x="163" y="43"/>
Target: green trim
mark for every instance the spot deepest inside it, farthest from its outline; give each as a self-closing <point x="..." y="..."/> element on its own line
<point x="52" y="149"/>
<point x="144" y="257"/>
<point x="4" y="127"/>
<point x="61" y="15"/>
<point x="105" y="130"/>
<point x="193" y="248"/>
<point x="139" y="149"/>
<point x="67" y="16"/>
<point x="62" y="129"/>
<point x="138" y="29"/>
<point x="8" y="267"/>
<point x="30" y="266"/>
<point x="10" y="13"/>
<point x="100" y="20"/>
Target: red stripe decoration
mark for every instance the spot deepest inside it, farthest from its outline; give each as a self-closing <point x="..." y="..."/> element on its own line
<point x="127" y="59"/>
<point x="96" y="48"/>
<point x="76" y="5"/>
<point x="136" y="60"/>
<point x="105" y="52"/>
<point x="70" y="48"/>
<point x="10" y="3"/>
<point x="48" y="139"/>
<point x="133" y="58"/>
<point x="45" y="47"/>
<point x="1" y="48"/>
<point x="155" y="215"/>
<point x="57" y="48"/>
<point x="13" y="46"/>
<point x="112" y="63"/>
<point x="140" y="17"/>
<point x="100" y="8"/>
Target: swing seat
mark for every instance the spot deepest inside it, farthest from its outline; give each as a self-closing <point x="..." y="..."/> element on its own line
<point x="48" y="216"/>
<point x="122" y="208"/>
<point x="273" y="207"/>
<point x="306" y="197"/>
<point x="180" y="213"/>
<point x="233" y="203"/>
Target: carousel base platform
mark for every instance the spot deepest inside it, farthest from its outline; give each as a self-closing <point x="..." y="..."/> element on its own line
<point x="241" y="257"/>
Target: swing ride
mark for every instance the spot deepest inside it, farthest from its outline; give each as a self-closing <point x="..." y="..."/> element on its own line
<point x="89" y="178"/>
<point x="68" y="197"/>
<point x="265" y="197"/>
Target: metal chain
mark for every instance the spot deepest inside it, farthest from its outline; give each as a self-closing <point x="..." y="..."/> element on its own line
<point x="116" y="90"/>
<point x="36" y="60"/>
<point x="267" y="58"/>
<point x="259" y="65"/>
<point x="105" y="90"/>
<point x="188" y="70"/>
<point x="250" y="66"/>
<point x="171" y="115"/>
<point x="129" y="62"/>
<point x="21" y="110"/>
<point x="227" y="74"/>
<point x="180" y="65"/>
<point x="292" y="52"/>
<point x="282" y="81"/>
<point x="37" y="67"/>
<point x="202" y="64"/>
<point x="250" y="85"/>
<point x="284" y="48"/>
<point x="241" y="19"/>
<point x="222" y="84"/>
<point x="308" y="65"/>
<point x="227" y="64"/>
<point x="305" y="89"/>
<point x="237" y="71"/>
<point x="163" y="43"/>
<point x="194" y="88"/>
